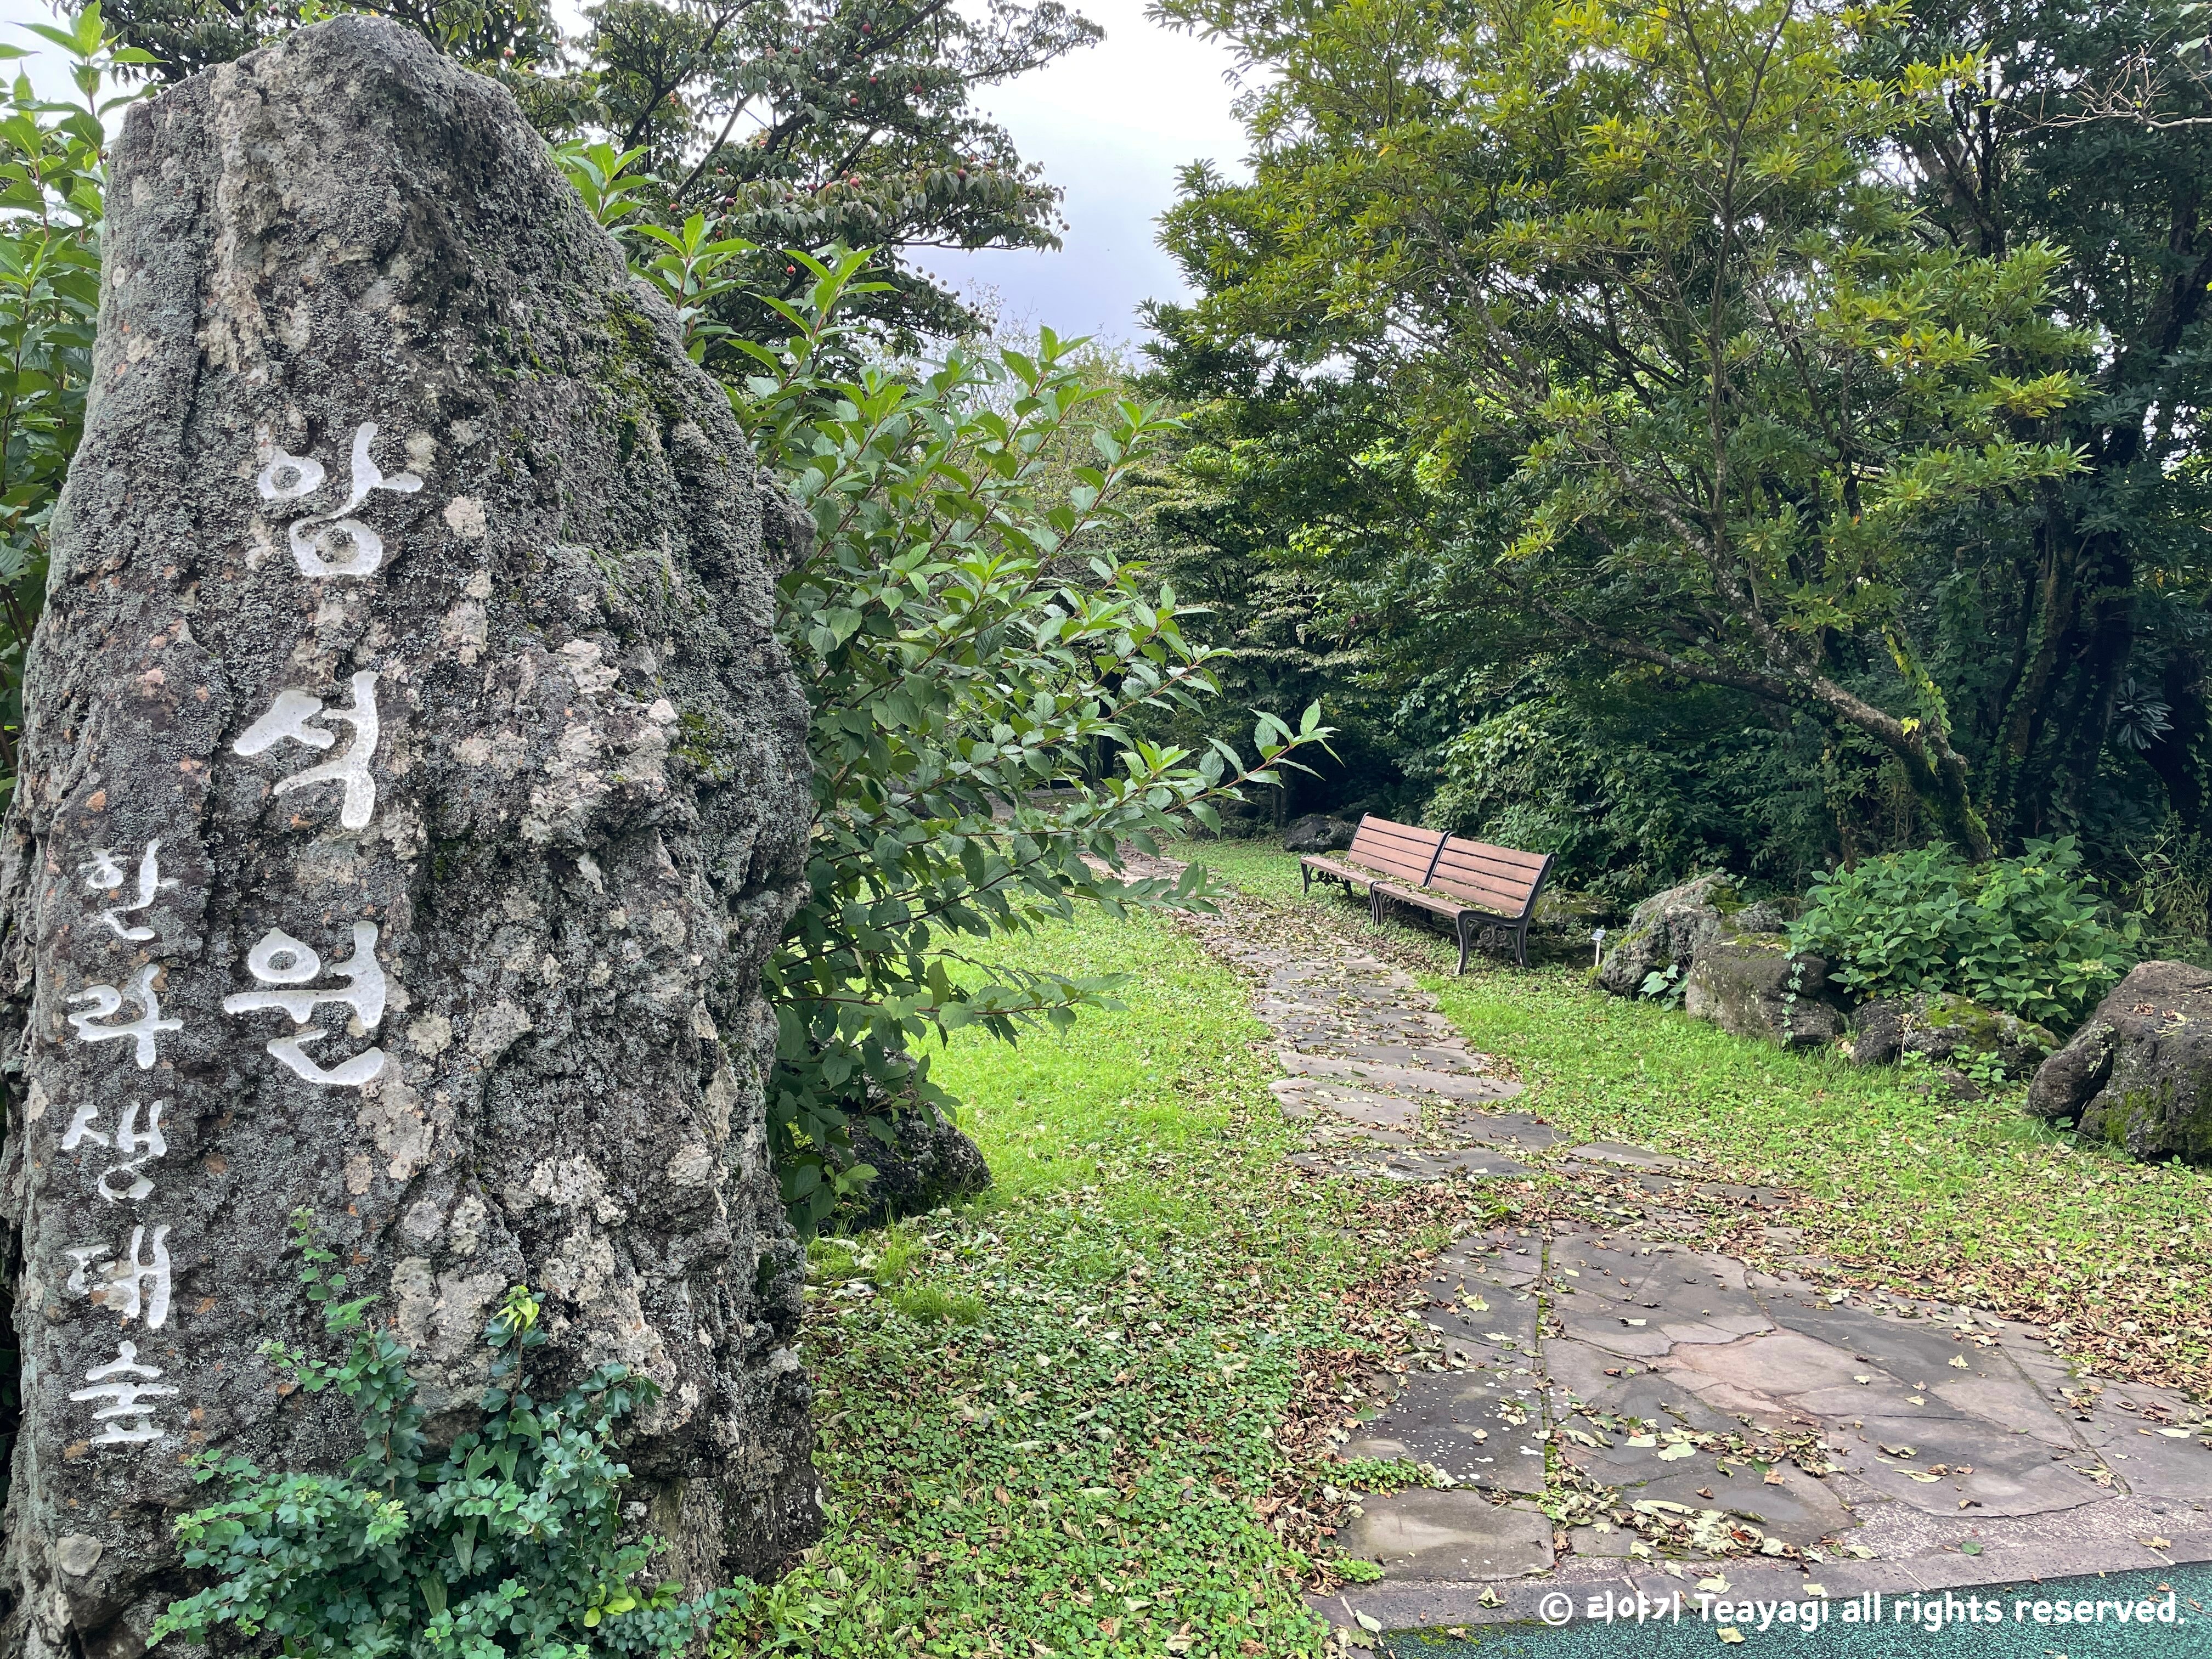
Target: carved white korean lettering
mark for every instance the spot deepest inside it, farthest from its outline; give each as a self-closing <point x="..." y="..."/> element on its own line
<point x="133" y="1282"/>
<point x="278" y="959"/>
<point x="289" y="721"/>
<point x="333" y="543"/>
<point x="127" y="1419"/>
<point x="106" y="1000"/>
<point x="103" y="875"/>
<point x="125" y="1180"/>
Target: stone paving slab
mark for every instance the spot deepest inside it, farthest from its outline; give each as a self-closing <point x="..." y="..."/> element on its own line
<point x="1305" y="1096"/>
<point x="1475" y="1426"/>
<point x="1450" y="1534"/>
<point x="1414" y="1166"/>
<point x="1468" y="1085"/>
<point x="1965" y="1450"/>
<point x="1501" y="1129"/>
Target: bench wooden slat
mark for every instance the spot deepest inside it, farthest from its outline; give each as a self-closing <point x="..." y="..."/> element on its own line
<point x="1448" y="875"/>
<point x="1445" y="901"/>
<point x="1470" y="858"/>
<point x="1511" y="898"/>
<point x="1504" y="857"/>
<point x="1342" y="872"/>
<point x="1410" y="854"/>
<point x="1378" y="841"/>
<point x="1508" y="901"/>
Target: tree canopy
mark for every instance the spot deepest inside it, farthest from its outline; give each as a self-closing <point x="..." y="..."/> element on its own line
<point x="790" y="124"/>
<point x="1815" y="382"/>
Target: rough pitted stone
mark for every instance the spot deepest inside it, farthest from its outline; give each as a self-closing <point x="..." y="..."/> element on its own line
<point x="1449" y="1535"/>
<point x="1946" y="1029"/>
<point x="1752" y="985"/>
<point x="1317" y="832"/>
<point x="2139" y="1073"/>
<point x="1667" y="929"/>
<point x="566" y="840"/>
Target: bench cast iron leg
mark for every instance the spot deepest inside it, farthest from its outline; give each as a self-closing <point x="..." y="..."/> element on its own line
<point x="1520" y="945"/>
<point x="1464" y="939"/>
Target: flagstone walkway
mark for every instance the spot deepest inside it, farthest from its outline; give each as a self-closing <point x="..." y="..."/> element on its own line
<point x="1673" y="1400"/>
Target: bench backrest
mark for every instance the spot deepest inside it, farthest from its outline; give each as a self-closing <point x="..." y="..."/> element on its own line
<point x="1403" y="851"/>
<point x="1496" y="877"/>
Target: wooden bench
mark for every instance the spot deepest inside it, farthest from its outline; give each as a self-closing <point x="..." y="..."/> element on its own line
<point x="1482" y="887"/>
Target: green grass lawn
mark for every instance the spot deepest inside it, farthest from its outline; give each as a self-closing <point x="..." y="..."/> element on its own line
<point x="1048" y="1419"/>
<point x="1899" y="1186"/>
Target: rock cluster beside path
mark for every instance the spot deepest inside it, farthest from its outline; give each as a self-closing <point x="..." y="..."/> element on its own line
<point x="1612" y="1405"/>
<point x="2139" y="1073"/>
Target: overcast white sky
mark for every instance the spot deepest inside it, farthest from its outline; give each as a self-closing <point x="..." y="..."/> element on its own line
<point x="1110" y="126"/>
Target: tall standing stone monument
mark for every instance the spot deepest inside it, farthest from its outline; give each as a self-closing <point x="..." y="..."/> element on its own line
<point x="411" y="789"/>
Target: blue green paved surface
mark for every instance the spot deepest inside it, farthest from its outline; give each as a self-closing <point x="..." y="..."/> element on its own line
<point x="2190" y="1637"/>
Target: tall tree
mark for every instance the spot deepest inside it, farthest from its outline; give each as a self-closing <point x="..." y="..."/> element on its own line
<point x="787" y="123"/>
<point x="1655" y="250"/>
<point x="183" y="37"/>
<point x="2106" y="648"/>
<point x="815" y="123"/>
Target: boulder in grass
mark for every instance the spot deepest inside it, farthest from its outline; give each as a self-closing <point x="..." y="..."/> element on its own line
<point x="1317" y="832"/>
<point x="2139" y="1074"/>
<point x="1947" y="1031"/>
<point x="1666" y="930"/>
<point x="928" y="1161"/>
<point x="1754" y="986"/>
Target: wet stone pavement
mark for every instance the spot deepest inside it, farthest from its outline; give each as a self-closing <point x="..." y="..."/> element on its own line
<point x="1612" y="1409"/>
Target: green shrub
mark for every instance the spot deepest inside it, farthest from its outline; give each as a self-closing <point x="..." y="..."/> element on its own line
<point x="509" y="1546"/>
<point x="51" y="204"/>
<point x="979" y="670"/>
<point x="2025" y="935"/>
<point x="1631" y="798"/>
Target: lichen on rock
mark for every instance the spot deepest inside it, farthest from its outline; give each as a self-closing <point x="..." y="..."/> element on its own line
<point x="1665" y="930"/>
<point x="1945" y="1028"/>
<point x="411" y="788"/>
<point x="1754" y="986"/>
<point x="2138" y="1074"/>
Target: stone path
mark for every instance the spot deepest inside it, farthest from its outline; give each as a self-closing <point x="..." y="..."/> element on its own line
<point x="1675" y="1402"/>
